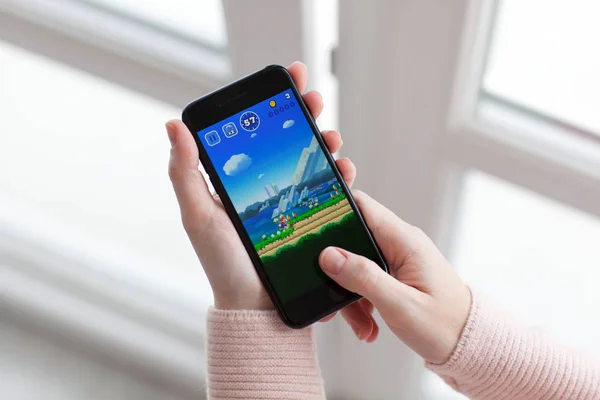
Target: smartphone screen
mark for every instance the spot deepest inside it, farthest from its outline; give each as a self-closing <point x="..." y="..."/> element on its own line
<point x="284" y="191"/>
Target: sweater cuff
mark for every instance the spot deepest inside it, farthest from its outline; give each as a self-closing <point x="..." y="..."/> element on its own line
<point x="252" y="354"/>
<point x="480" y="354"/>
<point x="493" y="354"/>
<point x="467" y="347"/>
<point x="498" y="358"/>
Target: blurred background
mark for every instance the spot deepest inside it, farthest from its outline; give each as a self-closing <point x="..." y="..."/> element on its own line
<point x="479" y="121"/>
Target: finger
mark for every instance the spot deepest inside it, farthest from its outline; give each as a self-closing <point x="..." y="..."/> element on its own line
<point x="333" y="140"/>
<point x="299" y="74"/>
<point x="192" y="193"/>
<point x="368" y="307"/>
<point x="360" y="322"/>
<point x="396" y="238"/>
<point x="377" y="214"/>
<point x="313" y="99"/>
<point x="374" y="332"/>
<point x="314" y="102"/>
<point x="328" y="318"/>
<point x="361" y="275"/>
<point x="347" y="169"/>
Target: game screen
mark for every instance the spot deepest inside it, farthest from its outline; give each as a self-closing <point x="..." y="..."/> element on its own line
<point x="284" y="191"/>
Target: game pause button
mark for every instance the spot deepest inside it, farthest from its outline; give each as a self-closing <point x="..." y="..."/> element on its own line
<point x="212" y="138"/>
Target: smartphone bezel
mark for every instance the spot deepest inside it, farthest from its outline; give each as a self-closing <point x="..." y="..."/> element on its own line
<point x="224" y="103"/>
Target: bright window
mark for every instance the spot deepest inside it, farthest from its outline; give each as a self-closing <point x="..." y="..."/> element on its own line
<point x="84" y="170"/>
<point x="544" y="57"/>
<point x="531" y="256"/>
<point x="201" y="20"/>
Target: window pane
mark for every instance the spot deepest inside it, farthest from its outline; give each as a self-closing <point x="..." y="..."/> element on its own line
<point x="201" y="20"/>
<point x="531" y="256"/>
<point x="535" y="257"/>
<point x="84" y="170"/>
<point x="544" y="57"/>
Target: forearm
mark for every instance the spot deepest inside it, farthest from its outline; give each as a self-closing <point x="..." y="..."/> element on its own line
<point x="253" y="355"/>
<point x="497" y="358"/>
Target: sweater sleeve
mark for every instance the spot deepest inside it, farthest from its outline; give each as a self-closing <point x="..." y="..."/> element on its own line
<point x="253" y="355"/>
<point x="497" y="358"/>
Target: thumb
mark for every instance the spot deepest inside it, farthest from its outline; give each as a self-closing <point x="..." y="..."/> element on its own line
<point x="192" y="192"/>
<point x="362" y="276"/>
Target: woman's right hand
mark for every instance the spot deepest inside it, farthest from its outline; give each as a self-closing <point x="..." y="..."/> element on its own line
<point x="422" y="300"/>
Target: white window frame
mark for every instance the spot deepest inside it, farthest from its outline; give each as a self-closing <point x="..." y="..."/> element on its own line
<point x="134" y="56"/>
<point x="410" y="75"/>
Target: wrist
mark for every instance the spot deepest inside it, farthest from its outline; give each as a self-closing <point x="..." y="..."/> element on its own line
<point x="452" y="328"/>
<point x="259" y="302"/>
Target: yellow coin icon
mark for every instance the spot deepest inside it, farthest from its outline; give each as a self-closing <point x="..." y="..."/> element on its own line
<point x="272" y="103"/>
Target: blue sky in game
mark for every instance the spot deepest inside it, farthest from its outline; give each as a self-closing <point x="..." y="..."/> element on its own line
<point x="268" y="155"/>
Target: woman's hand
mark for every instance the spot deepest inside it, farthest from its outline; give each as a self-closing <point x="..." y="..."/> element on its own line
<point x="422" y="300"/>
<point x="225" y="260"/>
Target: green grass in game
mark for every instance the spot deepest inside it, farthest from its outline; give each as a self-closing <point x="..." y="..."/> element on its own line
<point x="294" y="269"/>
<point x="264" y="243"/>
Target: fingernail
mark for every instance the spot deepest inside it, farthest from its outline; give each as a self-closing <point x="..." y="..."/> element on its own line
<point x="356" y="331"/>
<point x="170" y="133"/>
<point x="332" y="260"/>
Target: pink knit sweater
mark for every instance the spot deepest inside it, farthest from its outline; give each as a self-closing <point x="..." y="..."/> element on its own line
<point x="252" y="355"/>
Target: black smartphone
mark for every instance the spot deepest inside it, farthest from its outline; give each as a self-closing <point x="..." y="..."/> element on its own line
<point x="266" y="159"/>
